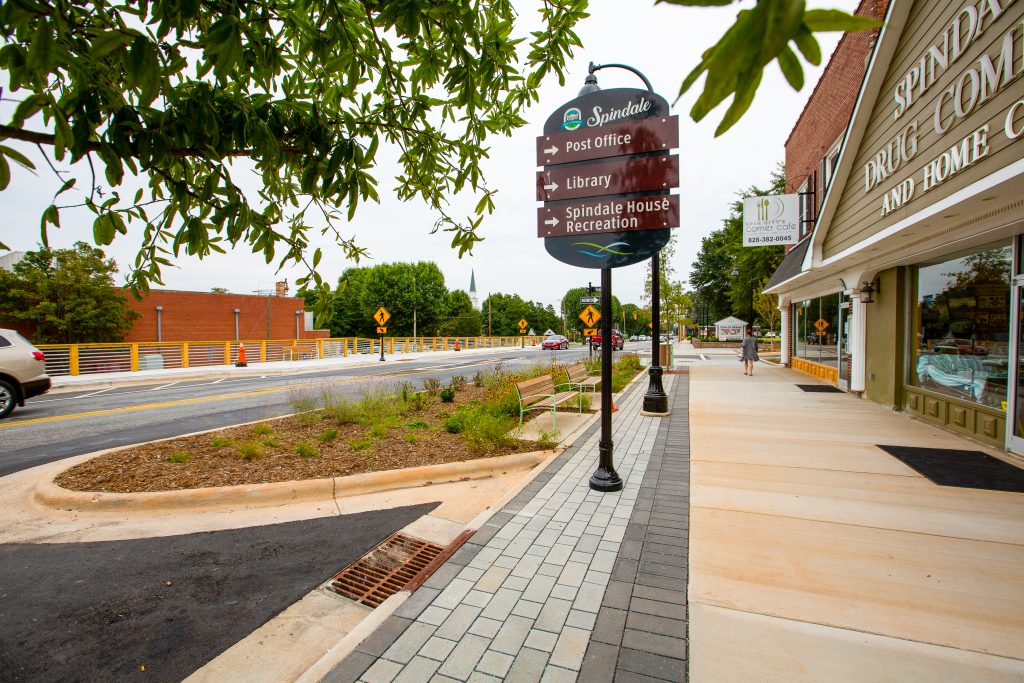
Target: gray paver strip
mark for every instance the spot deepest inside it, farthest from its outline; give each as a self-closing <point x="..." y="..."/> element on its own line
<point x="641" y="629"/>
<point x="540" y="568"/>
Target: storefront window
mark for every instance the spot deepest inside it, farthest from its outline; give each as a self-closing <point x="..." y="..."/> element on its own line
<point x="962" y="324"/>
<point x="816" y="329"/>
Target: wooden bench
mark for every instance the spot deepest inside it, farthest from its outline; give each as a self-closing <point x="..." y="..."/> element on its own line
<point x="580" y="379"/>
<point x="540" y="393"/>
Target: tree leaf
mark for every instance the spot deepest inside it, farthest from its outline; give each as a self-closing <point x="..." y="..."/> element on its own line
<point x="103" y="229"/>
<point x="742" y="101"/>
<point x="18" y="157"/>
<point x="808" y="45"/>
<point x="837" y="20"/>
<point x="109" y="41"/>
<point x="791" y="69"/>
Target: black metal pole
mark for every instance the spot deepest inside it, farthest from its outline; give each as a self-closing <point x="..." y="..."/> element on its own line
<point x="605" y="478"/>
<point x="381" y="339"/>
<point x="655" y="400"/>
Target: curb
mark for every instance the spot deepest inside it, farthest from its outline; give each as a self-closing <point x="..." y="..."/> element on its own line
<point x="49" y="494"/>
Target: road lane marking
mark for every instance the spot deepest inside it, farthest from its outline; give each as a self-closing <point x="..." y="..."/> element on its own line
<point x="358" y="379"/>
<point x="164" y="386"/>
<point x="92" y="393"/>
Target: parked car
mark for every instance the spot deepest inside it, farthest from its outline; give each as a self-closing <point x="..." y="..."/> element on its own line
<point x="555" y="341"/>
<point x="633" y="337"/>
<point x="22" y="371"/>
<point x="617" y="341"/>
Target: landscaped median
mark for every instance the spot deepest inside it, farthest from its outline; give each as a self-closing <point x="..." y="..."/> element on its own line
<point x="334" y="446"/>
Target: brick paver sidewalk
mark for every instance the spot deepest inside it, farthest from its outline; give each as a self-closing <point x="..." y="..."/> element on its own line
<point x="564" y="582"/>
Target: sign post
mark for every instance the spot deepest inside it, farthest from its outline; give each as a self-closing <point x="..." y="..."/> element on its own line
<point x="522" y="331"/>
<point x="606" y="180"/>
<point x="381" y="316"/>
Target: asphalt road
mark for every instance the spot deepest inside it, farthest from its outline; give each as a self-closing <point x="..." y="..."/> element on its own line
<point x="101" y="611"/>
<point x="59" y="425"/>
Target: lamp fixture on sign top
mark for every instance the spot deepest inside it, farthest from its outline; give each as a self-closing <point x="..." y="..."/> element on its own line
<point x="867" y="289"/>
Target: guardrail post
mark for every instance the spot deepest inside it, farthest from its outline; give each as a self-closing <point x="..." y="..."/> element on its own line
<point x="320" y="348"/>
<point x="391" y="346"/>
<point x="344" y="348"/>
<point x="263" y="351"/>
<point x="184" y="354"/>
<point x="135" y="357"/>
<point x="227" y="353"/>
<point x="73" y="360"/>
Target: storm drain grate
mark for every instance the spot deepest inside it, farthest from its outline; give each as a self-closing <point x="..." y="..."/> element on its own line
<point x="820" y="388"/>
<point x="385" y="570"/>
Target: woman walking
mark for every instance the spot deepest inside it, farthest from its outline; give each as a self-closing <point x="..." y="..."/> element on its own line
<point x="749" y="352"/>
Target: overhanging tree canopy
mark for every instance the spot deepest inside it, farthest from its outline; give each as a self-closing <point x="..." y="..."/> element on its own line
<point x="174" y="90"/>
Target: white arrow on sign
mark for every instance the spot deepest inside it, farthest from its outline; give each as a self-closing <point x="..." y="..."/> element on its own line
<point x="551" y="150"/>
<point x="552" y="187"/>
<point x="551" y="221"/>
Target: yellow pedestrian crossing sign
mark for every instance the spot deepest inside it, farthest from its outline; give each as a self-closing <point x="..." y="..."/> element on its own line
<point x="382" y="330"/>
<point x="382" y="316"/>
<point x="590" y="332"/>
<point x="590" y="316"/>
<point x="523" y="324"/>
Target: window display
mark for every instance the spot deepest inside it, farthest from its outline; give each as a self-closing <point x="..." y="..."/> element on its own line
<point x="816" y="330"/>
<point x="962" y="324"/>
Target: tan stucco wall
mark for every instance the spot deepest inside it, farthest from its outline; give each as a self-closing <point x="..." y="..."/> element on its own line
<point x="883" y="368"/>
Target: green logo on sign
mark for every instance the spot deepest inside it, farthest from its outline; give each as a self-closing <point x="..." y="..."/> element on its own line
<point x="572" y="119"/>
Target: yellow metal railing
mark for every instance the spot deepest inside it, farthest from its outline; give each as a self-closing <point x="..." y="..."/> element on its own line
<point x="825" y="372"/>
<point x="87" y="359"/>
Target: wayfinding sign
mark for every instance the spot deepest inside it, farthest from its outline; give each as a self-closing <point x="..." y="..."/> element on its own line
<point x="607" y="177"/>
<point x="608" y="215"/>
<point x="634" y="136"/>
<point x="617" y="176"/>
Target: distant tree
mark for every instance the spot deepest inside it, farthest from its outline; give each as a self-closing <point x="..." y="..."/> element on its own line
<point x="219" y="290"/>
<point x="460" y="318"/>
<point x="637" y="319"/>
<point x="767" y="307"/>
<point x="571" y="309"/>
<point x="67" y="296"/>
<point x="402" y="288"/>
<point x="508" y="309"/>
<point x="722" y="252"/>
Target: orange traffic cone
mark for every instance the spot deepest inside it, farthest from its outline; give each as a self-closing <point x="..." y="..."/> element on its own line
<point x="614" y="409"/>
<point x="241" y="357"/>
<point x="456" y="344"/>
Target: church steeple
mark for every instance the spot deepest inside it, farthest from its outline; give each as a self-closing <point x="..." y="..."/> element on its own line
<point x="472" y="289"/>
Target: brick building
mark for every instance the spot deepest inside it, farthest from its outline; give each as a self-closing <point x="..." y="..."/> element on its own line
<point x="173" y="315"/>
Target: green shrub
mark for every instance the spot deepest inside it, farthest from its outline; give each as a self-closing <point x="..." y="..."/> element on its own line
<point x="329" y="436"/>
<point x="548" y="439"/>
<point x="432" y="386"/>
<point x="583" y="402"/>
<point x="629" y="363"/>
<point x="271" y="442"/>
<point x="302" y="401"/>
<point x="418" y="424"/>
<point x="360" y="444"/>
<point x="406" y="390"/>
<point x="309" y="419"/>
<point x="179" y="457"/>
<point x="378" y="431"/>
<point x="304" y="450"/>
<point x="262" y="430"/>
<point x="220" y="442"/>
<point x="456" y="422"/>
<point x="411" y="438"/>
<point x="448" y="394"/>
<point x="341" y="409"/>
<point x="249" y="450"/>
<point x="457" y="382"/>
<point x="478" y="379"/>
<point x="486" y="432"/>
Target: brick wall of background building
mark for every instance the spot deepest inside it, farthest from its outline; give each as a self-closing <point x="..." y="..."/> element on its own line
<point x="828" y="110"/>
<point x="205" y="316"/>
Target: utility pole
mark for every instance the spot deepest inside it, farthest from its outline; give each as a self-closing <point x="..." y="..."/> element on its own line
<point x="489" y="332"/>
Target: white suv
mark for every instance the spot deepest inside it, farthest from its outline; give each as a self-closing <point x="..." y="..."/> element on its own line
<point x="22" y="371"/>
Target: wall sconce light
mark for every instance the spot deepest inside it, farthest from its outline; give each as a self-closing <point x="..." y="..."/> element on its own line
<point x="867" y="289"/>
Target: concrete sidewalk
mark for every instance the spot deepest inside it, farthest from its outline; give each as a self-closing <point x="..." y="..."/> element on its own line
<point x="815" y="555"/>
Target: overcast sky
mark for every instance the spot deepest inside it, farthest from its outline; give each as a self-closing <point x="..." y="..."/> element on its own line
<point x="663" y="41"/>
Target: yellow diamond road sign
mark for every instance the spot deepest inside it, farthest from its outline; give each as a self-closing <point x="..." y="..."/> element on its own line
<point x="590" y="316"/>
<point x="821" y="324"/>
<point x="382" y="316"/>
<point x="523" y="324"/>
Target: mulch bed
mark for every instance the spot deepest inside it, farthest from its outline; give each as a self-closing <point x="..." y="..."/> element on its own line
<point x="146" y="468"/>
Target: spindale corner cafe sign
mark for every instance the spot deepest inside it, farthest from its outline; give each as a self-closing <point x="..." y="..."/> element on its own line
<point x="959" y="97"/>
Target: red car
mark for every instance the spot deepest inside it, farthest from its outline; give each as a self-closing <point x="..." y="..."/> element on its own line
<point x="555" y="341"/>
<point x="617" y="341"/>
